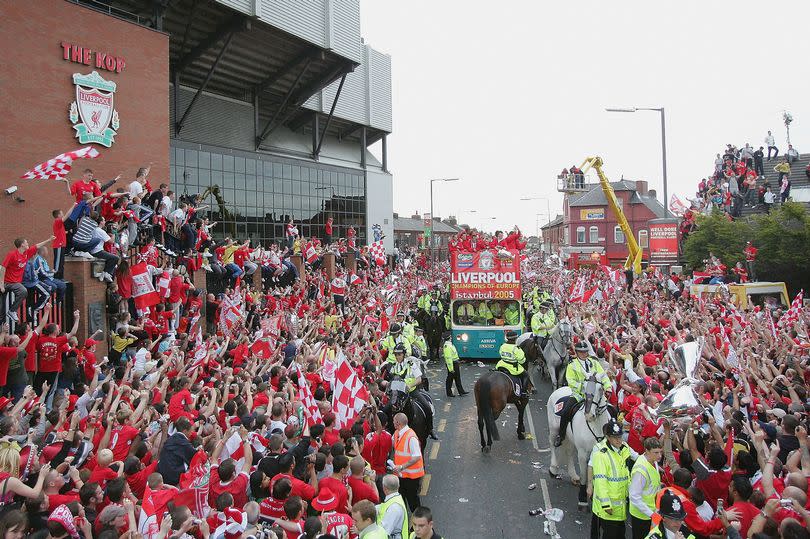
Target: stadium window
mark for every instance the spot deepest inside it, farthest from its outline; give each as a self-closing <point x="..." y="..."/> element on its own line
<point x="593" y="234"/>
<point x="618" y="235"/>
<point x="643" y="239"/>
<point x="580" y="234"/>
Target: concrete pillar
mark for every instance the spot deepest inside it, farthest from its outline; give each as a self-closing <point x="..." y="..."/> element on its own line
<point x="351" y="263"/>
<point x="90" y="299"/>
<point x="329" y="265"/>
<point x="298" y="262"/>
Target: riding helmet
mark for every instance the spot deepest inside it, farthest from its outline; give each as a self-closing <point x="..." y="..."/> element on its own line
<point x="671" y="506"/>
<point x="400" y="349"/>
<point x="395" y="328"/>
<point x="447" y="334"/>
<point x="581" y="346"/>
<point x="511" y="335"/>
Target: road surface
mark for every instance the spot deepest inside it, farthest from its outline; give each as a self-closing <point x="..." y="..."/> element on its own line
<point x="470" y="492"/>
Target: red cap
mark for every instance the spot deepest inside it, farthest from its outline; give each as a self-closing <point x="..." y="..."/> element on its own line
<point x="90" y="342"/>
<point x="4" y="401"/>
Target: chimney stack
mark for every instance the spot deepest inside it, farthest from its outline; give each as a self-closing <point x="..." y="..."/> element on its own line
<point x="641" y="187"/>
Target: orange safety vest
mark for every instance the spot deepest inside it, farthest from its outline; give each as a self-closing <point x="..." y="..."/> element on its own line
<point x="401" y="456"/>
<point x="656" y="517"/>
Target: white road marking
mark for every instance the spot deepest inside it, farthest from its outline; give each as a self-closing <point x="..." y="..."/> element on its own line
<point x="531" y="427"/>
<point x="434" y="451"/>
<point x="442" y="425"/>
<point x="547" y="502"/>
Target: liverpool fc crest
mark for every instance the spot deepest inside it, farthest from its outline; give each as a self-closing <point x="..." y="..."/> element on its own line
<point x="94" y="107"/>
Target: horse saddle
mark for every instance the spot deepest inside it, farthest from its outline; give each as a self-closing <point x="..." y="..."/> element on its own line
<point x="517" y="384"/>
<point x="559" y="406"/>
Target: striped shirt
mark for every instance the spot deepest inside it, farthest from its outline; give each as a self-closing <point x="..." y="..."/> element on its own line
<point x="84" y="234"/>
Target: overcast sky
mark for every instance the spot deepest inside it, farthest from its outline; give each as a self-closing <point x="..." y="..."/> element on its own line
<point x="504" y="95"/>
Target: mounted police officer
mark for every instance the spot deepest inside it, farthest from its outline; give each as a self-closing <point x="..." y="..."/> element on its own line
<point x="451" y="362"/>
<point x="579" y="370"/>
<point x="409" y="370"/>
<point x="543" y="322"/>
<point x="390" y="342"/>
<point x="513" y="361"/>
<point x="610" y="461"/>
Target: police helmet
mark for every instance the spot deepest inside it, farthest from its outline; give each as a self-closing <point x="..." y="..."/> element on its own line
<point x="401" y="313"/>
<point x="399" y="349"/>
<point x="581" y="346"/>
<point x="447" y="334"/>
<point x="671" y="507"/>
<point x="419" y="329"/>
<point x="395" y="328"/>
<point x="511" y="335"/>
<point x="612" y="428"/>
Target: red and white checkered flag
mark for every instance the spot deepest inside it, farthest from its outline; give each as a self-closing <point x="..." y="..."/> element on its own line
<point x="377" y="251"/>
<point x="349" y="396"/>
<point x="792" y="314"/>
<point x="310" y="404"/>
<point x="58" y="167"/>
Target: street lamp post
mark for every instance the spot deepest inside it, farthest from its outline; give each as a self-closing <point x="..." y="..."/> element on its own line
<point x="548" y="211"/>
<point x="432" y="237"/>
<point x="663" y="145"/>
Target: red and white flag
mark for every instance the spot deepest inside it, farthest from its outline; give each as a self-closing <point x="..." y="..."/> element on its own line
<point x="155" y="503"/>
<point x="230" y="313"/>
<point x="143" y="292"/>
<point x="163" y="284"/>
<point x="577" y="291"/>
<point x="771" y="325"/>
<point x="377" y="252"/>
<point x="354" y="279"/>
<point x="792" y="314"/>
<point x="349" y="396"/>
<point x="676" y="206"/>
<point x="195" y="484"/>
<point x="58" y="167"/>
<point x="311" y="253"/>
<point x="310" y="404"/>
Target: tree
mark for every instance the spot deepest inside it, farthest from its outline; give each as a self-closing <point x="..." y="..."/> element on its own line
<point x="717" y="234"/>
<point x="783" y="240"/>
<point x="782" y="237"/>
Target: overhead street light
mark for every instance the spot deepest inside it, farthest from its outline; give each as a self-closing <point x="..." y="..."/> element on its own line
<point x="663" y="144"/>
<point x="432" y="237"/>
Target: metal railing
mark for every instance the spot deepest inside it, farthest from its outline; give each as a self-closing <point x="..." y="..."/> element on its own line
<point x="62" y="312"/>
<point x="568" y="183"/>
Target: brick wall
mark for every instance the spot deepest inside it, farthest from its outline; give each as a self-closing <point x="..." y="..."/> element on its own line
<point x="87" y="291"/>
<point x="37" y="89"/>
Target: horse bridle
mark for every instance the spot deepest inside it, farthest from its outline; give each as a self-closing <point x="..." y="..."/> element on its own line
<point x="562" y="353"/>
<point x="597" y="412"/>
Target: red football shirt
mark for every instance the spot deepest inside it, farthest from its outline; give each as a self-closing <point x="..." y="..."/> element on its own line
<point x="59" y="231"/>
<point x="338" y="488"/>
<point x="48" y="349"/>
<point x="79" y="188"/>
<point x="363" y="491"/>
<point x="7" y="353"/>
<point x="236" y="486"/>
<point x="15" y="264"/>
<point x="121" y="440"/>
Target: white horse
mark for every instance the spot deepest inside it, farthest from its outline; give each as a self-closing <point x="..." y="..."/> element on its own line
<point x="555" y="353"/>
<point x="584" y="431"/>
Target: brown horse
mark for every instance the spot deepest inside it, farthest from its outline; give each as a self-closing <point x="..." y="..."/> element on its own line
<point x="493" y="391"/>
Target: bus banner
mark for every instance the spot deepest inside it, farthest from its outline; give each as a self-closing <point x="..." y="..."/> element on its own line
<point x="485" y="275"/>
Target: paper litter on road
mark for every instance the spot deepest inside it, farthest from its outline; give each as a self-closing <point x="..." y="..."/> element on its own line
<point x="577" y="522"/>
<point x="533" y="486"/>
<point x="481" y="364"/>
<point x="463" y="500"/>
<point x="456" y="456"/>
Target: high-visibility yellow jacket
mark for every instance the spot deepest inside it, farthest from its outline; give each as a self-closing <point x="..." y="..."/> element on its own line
<point x="512" y="359"/>
<point x="611" y="481"/>
<point x="450" y="354"/>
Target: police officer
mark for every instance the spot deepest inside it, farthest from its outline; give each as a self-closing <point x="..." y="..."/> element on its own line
<point x="453" y="369"/>
<point x="543" y="323"/>
<point x="513" y="360"/>
<point x="511" y="314"/>
<point x="485" y="316"/>
<point x="394" y="337"/>
<point x="419" y="343"/>
<point x="611" y="483"/>
<point x="579" y="369"/>
<point x="465" y="313"/>
<point x="672" y="515"/>
<point x="409" y="370"/>
<point x="408" y="328"/>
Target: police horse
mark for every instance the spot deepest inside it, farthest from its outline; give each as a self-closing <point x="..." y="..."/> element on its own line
<point x="493" y="391"/>
<point x="399" y="400"/>
<point x="555" y="353"/>
<point x="584" y="430"/>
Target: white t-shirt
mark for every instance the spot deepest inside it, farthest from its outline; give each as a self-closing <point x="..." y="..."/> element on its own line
<point x="135" y="189"/>
<point x="165" y="206"/>
<point x="769" y="140"/>
<point x="177" y="216"/>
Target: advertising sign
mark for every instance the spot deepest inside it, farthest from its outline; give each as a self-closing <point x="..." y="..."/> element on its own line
<point x="592" y="214"/>
<point x="663" y="242"/>
<point x="485" y="275"/>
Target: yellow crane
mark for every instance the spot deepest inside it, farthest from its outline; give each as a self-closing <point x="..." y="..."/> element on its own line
<point x="634" y="252"/>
